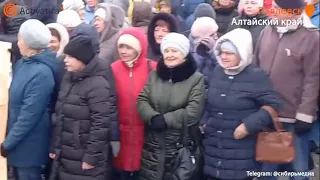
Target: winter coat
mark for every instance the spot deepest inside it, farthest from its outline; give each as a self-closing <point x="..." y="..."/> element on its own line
<point x="85" y="112"/>
<point x="129" y="83"/>
<point x="255" y="30"/>
<point x="89" y="14"/>
<point x="110" y="35"/>
<point x="154" y="52"/>
<point x="315" y="18"/>
<point x="45" y="5"/>
<point x="298" y="82"/>
<point x="142" y="15"/>
<point x="177" y="94"/>
<point x="190" y="6"/>
<point x="224" y="18"/>
<point x="224" y="156"/>
<point x="29" y="122"/>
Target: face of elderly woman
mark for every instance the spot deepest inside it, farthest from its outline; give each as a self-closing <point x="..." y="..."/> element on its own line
<point x="23" y="47"/>
<point x="251" y="7"/>
<point x="229" y="59"/>
<point x="173" y="57"/>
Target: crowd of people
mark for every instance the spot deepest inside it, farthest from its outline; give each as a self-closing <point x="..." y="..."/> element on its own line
<point x="114" y="89"/>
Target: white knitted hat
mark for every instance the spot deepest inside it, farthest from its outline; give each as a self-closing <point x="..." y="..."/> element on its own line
<point x="131" y="41"/>
<point x="176" y="40"/>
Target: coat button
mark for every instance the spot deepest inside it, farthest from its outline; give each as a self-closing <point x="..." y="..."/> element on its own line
<point x="219" y="163"/>
<point x="223" y="95"/>
<point x="231" y="77"/>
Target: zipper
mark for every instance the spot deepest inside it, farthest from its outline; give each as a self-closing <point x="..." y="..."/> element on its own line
<point x="170" y="80"/>
<point x="131" y="114"/>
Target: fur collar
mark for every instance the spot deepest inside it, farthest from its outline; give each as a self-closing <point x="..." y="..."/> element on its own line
<point x="179" y="73"/>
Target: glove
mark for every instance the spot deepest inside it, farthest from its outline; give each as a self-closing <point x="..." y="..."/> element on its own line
<point x="115" y="145"/>
<point x="301" y="127"/>
<point x="158" y="123"/>
<point x="3" y="151"/>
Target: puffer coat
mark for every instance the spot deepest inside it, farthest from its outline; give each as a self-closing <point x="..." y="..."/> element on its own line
<point x="85" y="114"/>
<point x="177" y="94"/>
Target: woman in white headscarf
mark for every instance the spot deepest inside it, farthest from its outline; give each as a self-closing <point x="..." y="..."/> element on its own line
<point x="240" y="99"/>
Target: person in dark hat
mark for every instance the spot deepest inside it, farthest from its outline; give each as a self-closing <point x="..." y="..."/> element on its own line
<point x="294" y="46"/>
<point x="85" y="110"/>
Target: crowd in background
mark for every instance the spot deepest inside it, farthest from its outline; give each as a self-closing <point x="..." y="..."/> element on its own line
<point x="112" y="89"/>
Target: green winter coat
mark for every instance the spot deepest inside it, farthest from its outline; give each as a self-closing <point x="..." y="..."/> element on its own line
<point x="178" y="94"/>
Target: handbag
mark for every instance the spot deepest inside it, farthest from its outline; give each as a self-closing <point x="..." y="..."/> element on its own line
<point x="275" y="146"/>
<point x="189" y="161"/>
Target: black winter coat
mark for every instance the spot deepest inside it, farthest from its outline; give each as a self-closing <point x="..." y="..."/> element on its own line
<point x="255" y="30"/>
<point x="178" y="101"/>
<point x="86" y="114"/>
<point x="232" y="100"/>
<point x="224" y="18"/>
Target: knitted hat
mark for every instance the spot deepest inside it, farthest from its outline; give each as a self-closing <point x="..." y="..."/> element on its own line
<point x="204" y="26"/>
<point x="131" y="41"/>
<point x="176" y="40"/>
<point x="204" y="10"/>
<point x="290" y="4"/>
<point x="228" y="45"/>
<point x="100" y="12"/>
<point x="35" y="34"/>
<point x="80" y="48"/>
<point x="75" y="5"/>
<point x="69" y="18"/>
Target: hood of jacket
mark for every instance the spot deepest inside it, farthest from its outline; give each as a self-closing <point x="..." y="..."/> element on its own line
<point x="48" y="58"/>
<point x="96" y="67"/>
<point x="124" y="4"/>
<point x="242" y="40"/>
<point x="115" y="23"/>
<point x="142" y="14"/>
<point x="63" y="35"/>
<point x="168" y="18"/>
<point x="87" y="30"/>
<point x="190" y="6"/>
<point x="140" y="35"/>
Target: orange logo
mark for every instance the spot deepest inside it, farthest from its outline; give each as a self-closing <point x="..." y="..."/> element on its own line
<point x="10" y="10"/>
<point x="309" y="9"/>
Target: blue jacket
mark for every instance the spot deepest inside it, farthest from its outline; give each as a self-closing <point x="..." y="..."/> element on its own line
<point x="29" y="123"/>
<point x="315" y="18"/>
<point x="232" y="100"/>
<point x="89" y="14"/>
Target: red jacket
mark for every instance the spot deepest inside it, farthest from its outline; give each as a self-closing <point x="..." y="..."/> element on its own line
<point x="128" y="88"/>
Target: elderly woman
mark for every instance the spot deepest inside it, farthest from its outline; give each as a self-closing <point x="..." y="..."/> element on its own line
<point x="27" y="141"/>
<point x="235" y="111"/>
<point x="173" y="96"/>
<point x="76" y="5"/>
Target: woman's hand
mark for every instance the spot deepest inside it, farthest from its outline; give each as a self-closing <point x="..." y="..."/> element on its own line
<point x="86" y="166"/>
<point x="202" y="128"/>
<point x="240" y="132"/>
